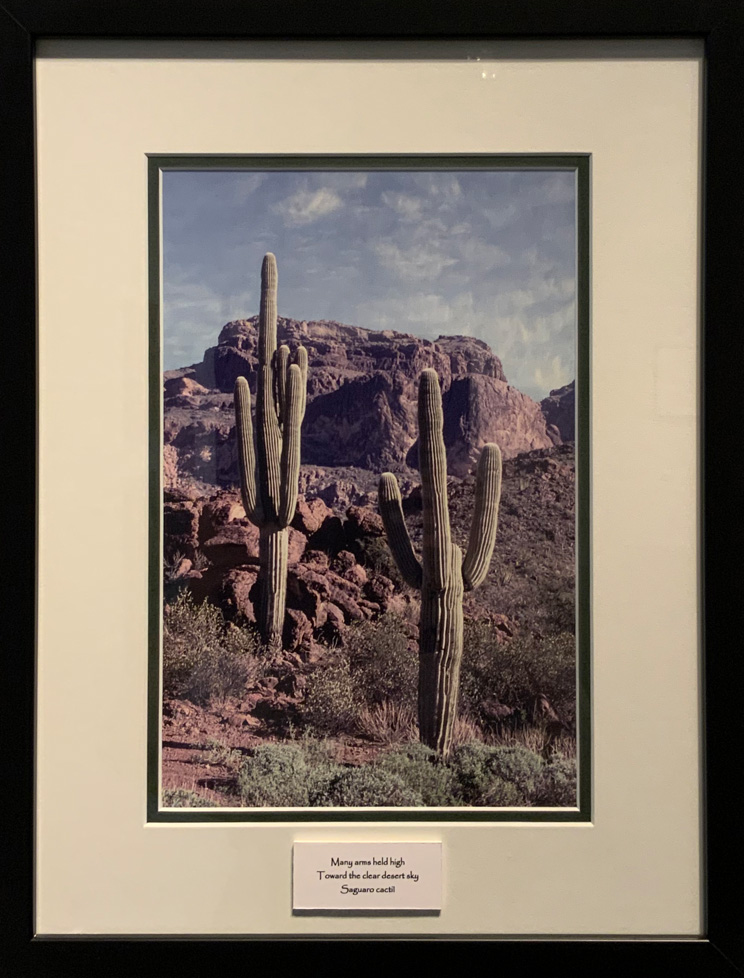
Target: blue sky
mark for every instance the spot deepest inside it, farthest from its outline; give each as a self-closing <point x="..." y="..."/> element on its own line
<point x="490" y="254"/>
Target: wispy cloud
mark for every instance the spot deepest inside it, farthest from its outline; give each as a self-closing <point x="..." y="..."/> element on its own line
<point x="553" y="374"/>
<point x="408" y="207"/>
<point x="307" y="206"/>
<point x="414" y="263"/>
<point x="488" y="254"/>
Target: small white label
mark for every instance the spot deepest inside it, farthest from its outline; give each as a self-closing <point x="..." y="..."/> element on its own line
<point x="367" y="876"/>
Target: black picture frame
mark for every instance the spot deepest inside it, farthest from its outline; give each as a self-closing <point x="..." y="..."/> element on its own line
<point x="720" y="25"/>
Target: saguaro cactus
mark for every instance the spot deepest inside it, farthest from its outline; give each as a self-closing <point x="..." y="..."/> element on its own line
<point x="269" y="470"/>
<point x="442" y="574"/>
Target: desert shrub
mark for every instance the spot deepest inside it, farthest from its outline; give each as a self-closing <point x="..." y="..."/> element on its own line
<point x="556" y="787"/>
<point x="382" y="666"/>
<point x="516" y="671"/>
<point x="421" y="771"/>
<point x="329" y="705"/>
<point x="221" y="755"/>
<point x="496" y="775"/>
<point x="170" y="566"/>
<point x="518" y="766"/>
<point x="387" y="723"/>
<point x="369" y="687"/>
<point x="204" y="657"/>
<point x="283" y="775"/>
<point x="365" y="786"/>
<point x="200" y="561"/>
<point x="182" y="798"/>
<point x="304" y="774"/>
<point x="373" y="552"/>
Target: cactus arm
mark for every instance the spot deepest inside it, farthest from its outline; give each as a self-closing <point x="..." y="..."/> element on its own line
<point x="301" y="361"/>
<point x="290" y="461"/>
<point x="280" y="379"/>
<point x="246" y="452"/>
<point x="485" y="518"/>
<point x="399" y="541"/>
<point x="433" y="464"/>
<point x="267" y="311"/>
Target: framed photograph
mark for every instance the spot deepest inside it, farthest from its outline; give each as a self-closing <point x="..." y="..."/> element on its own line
<point x="305" y="661"/>
<point x="373" y="511"/>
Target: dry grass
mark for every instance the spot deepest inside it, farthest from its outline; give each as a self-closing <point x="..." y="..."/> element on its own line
<point x="539" y="739"/>
<point x="388" y="722"/>
<point x="467" y="730"/>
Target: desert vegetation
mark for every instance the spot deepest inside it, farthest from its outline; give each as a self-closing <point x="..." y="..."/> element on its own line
<point x="410" y="645"/>
<point x="352" y="738"/>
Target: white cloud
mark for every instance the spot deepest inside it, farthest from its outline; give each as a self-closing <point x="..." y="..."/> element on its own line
<point x="245" y="185"/>
<point x="306" y="206"/>
<point x="481" y="256"/>
<point x="408" y="207"/>
<point x="424" y="313"/>
<point x="343" y="179"/>
<point x="552" y="374"/>
<point x="415" y="263"/>
<point x="194" y="313"/>
<point x="500" y="215"/>
<point x="443" y="186"/>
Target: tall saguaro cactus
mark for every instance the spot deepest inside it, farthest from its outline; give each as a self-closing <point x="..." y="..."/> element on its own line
<point x="442" y="574"/>
<point x="269" y="470"/>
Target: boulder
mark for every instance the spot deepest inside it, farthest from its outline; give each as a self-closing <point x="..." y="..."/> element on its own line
<point x="238" y="593"/>
<point x="220" y="510"/>
<point x="480" y="409"/>
<point x="363" y="521"/>
<point x="180" y="528"/>
<point x="234" y="545"/>
<point x="298" y="630"/>
<point x="310" y="515"/>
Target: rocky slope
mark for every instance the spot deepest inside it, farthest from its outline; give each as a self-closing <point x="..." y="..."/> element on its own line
<point x="362" y="395"/>
<point x="341" y="570"/>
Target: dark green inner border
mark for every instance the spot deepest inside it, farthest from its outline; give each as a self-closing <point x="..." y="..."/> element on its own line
<point x="581" y="164"/>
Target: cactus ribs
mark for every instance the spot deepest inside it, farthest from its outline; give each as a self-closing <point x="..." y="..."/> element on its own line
<point x="443" y="575"/>
<point x="269" y="473"/>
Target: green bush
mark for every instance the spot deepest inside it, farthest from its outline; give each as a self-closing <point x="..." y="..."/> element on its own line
<point x="375" y="667"/>
<point x="381" y="664"/>
<point x="329" y="705"/>
<point x="373" y="552"/>
<point x="282" y="775"/>
<point x="304" y="774"/>
<point x="557" y="786"/>
<point x="365" y="786"/>
<point x="205" y="658"/>
<point x="497" y="775"/>
<point x="516" y="671"/>
<point x="422" y="772"/>
<point x="182" y="798"/>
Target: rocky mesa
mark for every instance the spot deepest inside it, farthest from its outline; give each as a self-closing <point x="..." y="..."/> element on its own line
<point x="362" y="397"/>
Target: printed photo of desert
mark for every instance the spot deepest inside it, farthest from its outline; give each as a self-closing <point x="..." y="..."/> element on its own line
<point x="369" y="494"/>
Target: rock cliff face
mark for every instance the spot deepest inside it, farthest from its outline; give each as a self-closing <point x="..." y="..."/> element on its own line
<point x="559" y="409"/>
<point x="362" y="396"/>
